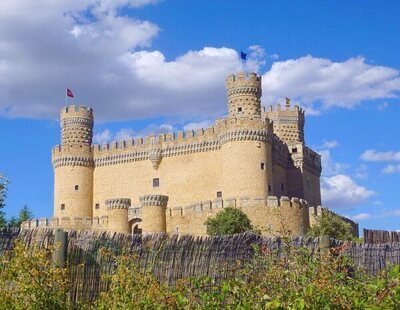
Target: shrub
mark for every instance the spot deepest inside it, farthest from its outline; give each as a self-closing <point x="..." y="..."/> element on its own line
<point x="228" y="221"/>
<point x="332" y="225"/>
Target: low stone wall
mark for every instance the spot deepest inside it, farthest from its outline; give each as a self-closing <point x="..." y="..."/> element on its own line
<point x="272" y="216"/>
<point x="77" y="223"/>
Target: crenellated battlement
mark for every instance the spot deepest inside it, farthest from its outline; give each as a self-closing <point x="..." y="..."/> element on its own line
<point x="238" y="202"/>
<point x="80" y="223"/>
<point x="243" y="83"/>
<point x="76" y="111"/>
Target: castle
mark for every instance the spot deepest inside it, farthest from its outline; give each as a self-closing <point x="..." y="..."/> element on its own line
<point x="253" y="159"/>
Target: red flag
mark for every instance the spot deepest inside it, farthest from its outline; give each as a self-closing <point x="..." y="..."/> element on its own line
<point x="69" y="93"/>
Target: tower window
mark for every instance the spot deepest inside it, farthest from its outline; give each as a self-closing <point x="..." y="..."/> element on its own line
<point x="262" y="166"/>
<point x="282" y="187"/>
<point x="294" y="150"/>
<point x="97" y="206"/>
<point x="76" y="187"/>
<point x="156" y="182"/>
<point x="269" y="188"/>
<point x="239" y="109"/>
<point x="219" y="194"/>
<point x="62" y="206"/>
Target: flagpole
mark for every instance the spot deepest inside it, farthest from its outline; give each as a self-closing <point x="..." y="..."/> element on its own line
<point x="66" y="98"/>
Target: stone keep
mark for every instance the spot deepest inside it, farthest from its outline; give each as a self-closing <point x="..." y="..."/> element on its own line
<point x="254" y="159"/>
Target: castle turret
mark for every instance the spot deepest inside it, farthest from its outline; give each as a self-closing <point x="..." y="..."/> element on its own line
<point x="245" y="140"/>
<point x="288" y="122"/>
<point x="117" y="210"/>
<point x="244" y="93"/>
<point x="153" y="213"/>
<point x="73" y="164"/>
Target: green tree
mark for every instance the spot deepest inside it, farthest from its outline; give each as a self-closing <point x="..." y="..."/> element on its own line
<point x="228" y="221"/>
<point x="332" y="225"/>
<point x="3" y="194"/>
<point x="25" y="214"/>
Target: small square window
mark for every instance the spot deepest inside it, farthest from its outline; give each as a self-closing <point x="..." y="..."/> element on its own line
<point x="294" y="150"/>
<point x="156" y="182"/>
<point x="239" y="109"/>
<point x="97" y="206"/>
<point x="282" y="187"/>
<point x="262" y="166"/>
<point x="62" y="206"/>
<point x="76" y="187"/>
<point x="219" y="194"/>
<point x="269" y="188"/>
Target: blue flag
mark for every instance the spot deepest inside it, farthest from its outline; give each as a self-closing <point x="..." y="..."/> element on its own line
<point x="243" y="56"/>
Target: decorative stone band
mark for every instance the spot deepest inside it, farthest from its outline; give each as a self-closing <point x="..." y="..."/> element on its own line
<point x="284" y="119"/>
<point x="73" y="161"/>
<point x="156" y="154"/>
<point x="153" y="200"/>
<point x="77" y="121"/>
<point x="244" y="90"/>
<point x="244" y="134"/>
<point x="118" y="203"/>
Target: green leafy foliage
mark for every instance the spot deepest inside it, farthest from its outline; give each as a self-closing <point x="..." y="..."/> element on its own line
<point x="25" y="214"/>
<point x="294" y="280"/>
<point x="332" y="225"/>
<point x="228" y="221"/>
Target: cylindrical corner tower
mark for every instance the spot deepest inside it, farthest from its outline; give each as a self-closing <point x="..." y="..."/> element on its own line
<point x="73" y="164"/>
<point x="117" y="210"/>
<point x="245" y="140"/>
<point x="244" y="93"/>
<point x="153" y="213"/>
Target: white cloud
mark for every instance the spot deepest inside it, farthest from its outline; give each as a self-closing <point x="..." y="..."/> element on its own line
<point x="197" y="125"/>
<point x="102" y="137"/>
<point x="329" y="144"/>
<point x="372" y="155"/>
<point x="329" y="166"/>
<point x="361" y="216"/>
<point x="107" y="136"/>
<point x="309" y="80"/>
<point x="390" y="169"/>
<point x="342" y="191"/>
<point x="383" y="106"/>
<point x="90" y="47"/>
<point x="377" y="203"/>
<point x="362" y="172"/>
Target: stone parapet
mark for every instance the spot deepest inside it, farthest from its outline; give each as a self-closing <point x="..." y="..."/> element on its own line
<point x="118" y="203"/>
<point x="153" y="200"/>
<point x="76" y="223"/>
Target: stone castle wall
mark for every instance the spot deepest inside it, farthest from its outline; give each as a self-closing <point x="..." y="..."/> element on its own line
<point x="249" y="153"/>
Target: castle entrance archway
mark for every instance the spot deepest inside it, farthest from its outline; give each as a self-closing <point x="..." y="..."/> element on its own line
<point x="135" y="226"/>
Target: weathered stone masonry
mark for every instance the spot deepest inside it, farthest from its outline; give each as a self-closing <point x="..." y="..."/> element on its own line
<point x="253" y="159"/>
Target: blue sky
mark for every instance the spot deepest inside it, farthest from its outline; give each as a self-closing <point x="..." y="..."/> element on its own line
<point x="154" y="66"/>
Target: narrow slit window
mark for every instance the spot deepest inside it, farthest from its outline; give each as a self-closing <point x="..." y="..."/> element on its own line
<point x="269" y="188"/>
<point x="219" y="194"/>
<point x="97" y="206"/>
<point x="62" y="206"/>
<point x="156" y="182"/>
<point x="282" y="187"/>
<point x="262" y="166"/>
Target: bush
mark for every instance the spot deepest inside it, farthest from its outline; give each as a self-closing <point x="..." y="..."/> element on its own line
<point x="332" y="225"/>
<point x="228" y="221"/>
<point x="292" y="280"/>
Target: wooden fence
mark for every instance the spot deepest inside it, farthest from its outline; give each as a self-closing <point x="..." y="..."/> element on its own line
<point x="381" y="236"/>
<point x="171" y="257"/>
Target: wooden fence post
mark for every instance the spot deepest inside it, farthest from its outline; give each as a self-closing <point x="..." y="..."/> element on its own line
<point x="324" y="244"/>
<point x="59" y="256"/>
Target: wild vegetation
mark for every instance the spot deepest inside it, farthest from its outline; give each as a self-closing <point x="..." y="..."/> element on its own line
<point x="228" y="221"/>
<point x="296" y="280"/>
